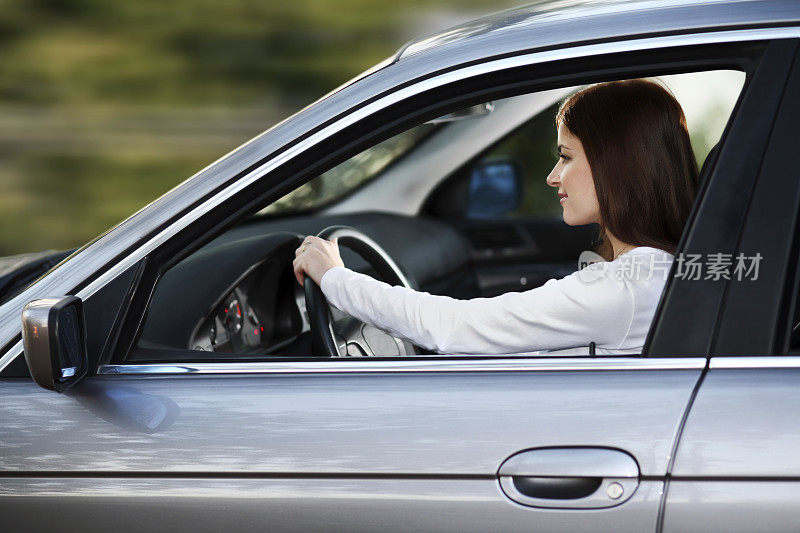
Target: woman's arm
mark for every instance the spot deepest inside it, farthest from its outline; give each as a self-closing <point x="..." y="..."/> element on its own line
<point x="560" y="314"/>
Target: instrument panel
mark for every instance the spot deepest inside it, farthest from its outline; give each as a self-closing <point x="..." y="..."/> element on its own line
<point x="259" y="314"/>
<point x="232" y="327"/>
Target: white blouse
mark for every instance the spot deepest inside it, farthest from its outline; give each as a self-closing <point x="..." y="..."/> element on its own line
<point x="609" y="303"/>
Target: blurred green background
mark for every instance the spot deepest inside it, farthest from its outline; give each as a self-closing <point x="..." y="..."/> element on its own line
<point x="105" y="105"/>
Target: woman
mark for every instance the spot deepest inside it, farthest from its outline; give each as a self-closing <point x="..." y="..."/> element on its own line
<point x="625" y="163"/>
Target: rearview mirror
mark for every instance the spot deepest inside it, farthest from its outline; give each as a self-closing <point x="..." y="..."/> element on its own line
<point x="54" y="340"/>
<point x="495" y="188"/>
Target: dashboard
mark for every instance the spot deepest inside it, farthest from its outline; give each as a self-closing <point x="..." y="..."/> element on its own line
<point x="232" y="327"/>
<point x="248" y="319"/>
<point x="237" y="297"/>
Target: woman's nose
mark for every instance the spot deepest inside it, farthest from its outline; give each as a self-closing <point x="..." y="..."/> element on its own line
<point x="553" y="179"/>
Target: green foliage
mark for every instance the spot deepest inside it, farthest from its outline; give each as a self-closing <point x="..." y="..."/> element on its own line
<point x="197" y="51"/>
<point x="104" y="105"/>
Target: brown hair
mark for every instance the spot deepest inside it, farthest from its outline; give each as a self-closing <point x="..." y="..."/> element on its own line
<point x="636" y="142"/>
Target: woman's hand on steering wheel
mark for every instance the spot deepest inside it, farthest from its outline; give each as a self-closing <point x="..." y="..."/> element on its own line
<point x="315" y="257"/>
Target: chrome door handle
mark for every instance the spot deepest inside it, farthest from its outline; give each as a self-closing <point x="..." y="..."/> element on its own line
<point x="578" y="478"/>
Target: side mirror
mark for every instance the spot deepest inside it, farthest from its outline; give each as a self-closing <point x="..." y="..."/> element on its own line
<point x="54" y="339"/>
<point x="495" y="187"/>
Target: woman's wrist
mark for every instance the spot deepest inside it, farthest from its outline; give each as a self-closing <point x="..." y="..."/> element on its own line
<point x="328" y="271"/>
<point x="318" y="269"/>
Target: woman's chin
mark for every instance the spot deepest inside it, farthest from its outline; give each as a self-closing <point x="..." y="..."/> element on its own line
<point x="571" y="220"/>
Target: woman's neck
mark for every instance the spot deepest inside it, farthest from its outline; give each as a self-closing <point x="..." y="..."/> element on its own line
<point x="618" y="246"/>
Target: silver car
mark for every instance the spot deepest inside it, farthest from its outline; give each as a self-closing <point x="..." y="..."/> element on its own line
<point x="171" y="374"/>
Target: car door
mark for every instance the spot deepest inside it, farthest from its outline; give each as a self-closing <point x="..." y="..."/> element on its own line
<point x="437" y="443"/>
<point x="346" y="445"/>
<point x="736" y="467"/>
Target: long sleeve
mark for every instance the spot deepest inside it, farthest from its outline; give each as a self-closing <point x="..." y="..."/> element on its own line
<point x="562" y="313"/>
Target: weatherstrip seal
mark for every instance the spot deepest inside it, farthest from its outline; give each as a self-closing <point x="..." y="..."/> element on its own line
<point x="403" y="365"/>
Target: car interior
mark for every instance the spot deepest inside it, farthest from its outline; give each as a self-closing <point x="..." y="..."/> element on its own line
<point x="459" y="203"/>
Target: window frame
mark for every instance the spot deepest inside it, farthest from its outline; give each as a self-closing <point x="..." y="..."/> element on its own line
<point x="242" y="194"/>
<point x="768" y="305"/>
<point x="717" y="224"/>
<point x="419" y="107"/>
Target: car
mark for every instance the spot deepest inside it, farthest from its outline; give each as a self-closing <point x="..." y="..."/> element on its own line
<point x="171" y="374"/>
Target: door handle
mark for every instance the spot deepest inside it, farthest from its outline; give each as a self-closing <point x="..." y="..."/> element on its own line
<point x="576" y="478"/>
<point x="557" y="488"/>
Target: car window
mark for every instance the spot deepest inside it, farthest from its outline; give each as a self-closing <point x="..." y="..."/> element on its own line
<point x="237" y="299"/>
<point x="529" y="153"/>
<point x="349" y="175"/>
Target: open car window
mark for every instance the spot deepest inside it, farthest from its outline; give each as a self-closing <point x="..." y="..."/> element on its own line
<point x="236" y="298"/>
<point x="707" y="98"/>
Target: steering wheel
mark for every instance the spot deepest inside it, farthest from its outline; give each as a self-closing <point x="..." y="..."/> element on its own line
<point x="349" y="336"/>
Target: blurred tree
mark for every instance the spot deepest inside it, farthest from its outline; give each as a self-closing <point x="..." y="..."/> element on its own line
<point x="105" y="105"/>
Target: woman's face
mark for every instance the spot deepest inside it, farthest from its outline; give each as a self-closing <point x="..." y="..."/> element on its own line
<point x="573" y="178"/>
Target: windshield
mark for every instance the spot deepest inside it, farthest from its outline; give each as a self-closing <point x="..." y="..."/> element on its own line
<point x="347" y="176"/>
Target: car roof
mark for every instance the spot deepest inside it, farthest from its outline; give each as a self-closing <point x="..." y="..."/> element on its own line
<point x="558" y="23"/>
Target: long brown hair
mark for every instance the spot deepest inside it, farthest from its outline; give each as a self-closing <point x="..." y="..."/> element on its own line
<point x="636" y="142"/>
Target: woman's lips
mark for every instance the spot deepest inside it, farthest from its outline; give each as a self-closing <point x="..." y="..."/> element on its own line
<point x="561" y="198"/>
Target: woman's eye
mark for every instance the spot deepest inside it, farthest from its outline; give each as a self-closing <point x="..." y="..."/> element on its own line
<point x="563" y="157"/>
